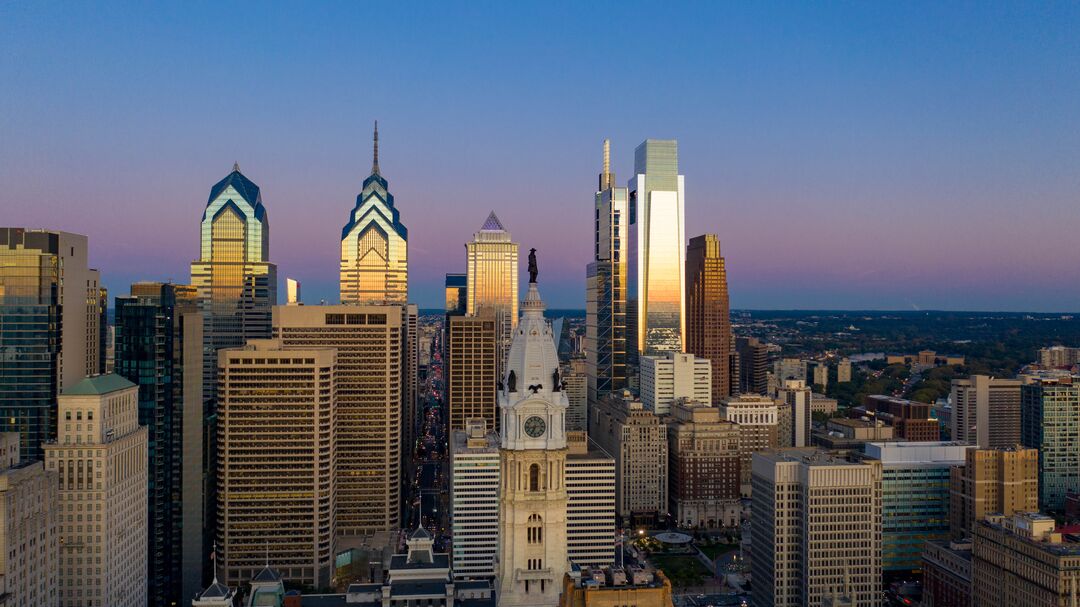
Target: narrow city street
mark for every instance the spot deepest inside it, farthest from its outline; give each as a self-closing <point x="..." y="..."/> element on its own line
<point x="430" y="494"/>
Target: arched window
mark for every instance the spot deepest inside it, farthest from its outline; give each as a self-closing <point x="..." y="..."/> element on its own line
<point x="535" y="528"/>
<point x="534" y="477"/>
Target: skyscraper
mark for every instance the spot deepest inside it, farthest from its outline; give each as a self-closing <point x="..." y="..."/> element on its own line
<point x="1004" y="481"/>
<point x="753" y="365"/>
<point x="472" y="374"/>
<point x="374" y="245"/>
<point x="703" y="466"/>
<point x="637" y="439"/>
<point x="606" y="336"/>
<point x="986" y="411"/>
<point x="1050" y="422"/>
<point x="759" y="429"/>
<point x="456" y="297"/>
<point x="797" y="396"/>
<point x="491" y="273"/>
<point x="658" y="253"/>
<point x="708" y="318"/>
<point x="49" y="333"/>
<point x="474" y="499"/>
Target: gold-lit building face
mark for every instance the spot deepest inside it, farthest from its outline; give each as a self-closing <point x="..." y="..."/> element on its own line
<point x="492" y="277"/>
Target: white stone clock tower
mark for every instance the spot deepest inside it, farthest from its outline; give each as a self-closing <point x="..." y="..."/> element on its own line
<point x="532" y="492"/>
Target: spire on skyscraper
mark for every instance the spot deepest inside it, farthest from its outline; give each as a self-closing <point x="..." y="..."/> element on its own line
<point x="607" y="178"/>
<point x="375" y="155"/>
<point x="236" y="166"/>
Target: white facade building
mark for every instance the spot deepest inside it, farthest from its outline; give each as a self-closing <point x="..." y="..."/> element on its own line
<point x="590" y="503"/>
<point x="474" y="500"/>
<point x="674" y="375"/>
<point x="798" y="396"/>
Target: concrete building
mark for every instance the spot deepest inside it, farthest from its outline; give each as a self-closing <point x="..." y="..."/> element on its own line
<point x="986" y="411"/>
<point x="616" y="587"/>
<point x="819" y="403"/>
<point x="474" y="500"/>
<point x="708" y="319"/>
<point x="703" y="467"/>
<point x="816" y="525"/>
<point x="576" y="384"/>
<point x="915" y="497"/>
<point x="637" y="439"/>
<point x="1050" y="422"/>
<point x="820" y="374"/>
<point x="371" y="343"/>
<point x="590" y="502"/>
<point x="798" y="396"/>
<point x="100" y="459"/>
<point x="843" y="371"/>
<point x="852" y="434"/>
<point x="784" y="424"/>
<point x="756" y="417"/>
<point x="298" y="409"/>
<point x="789" y="368"/>
<point x="674" y="375"/>
<point x="990" y="481"/>
<point x="1022" y="560"/>
<point x="946" y="567"/>
<point x="472" y="369"/>
<point x="910" y="418"/>
<point x="753" y="365"/>
<point x="29" y="539"/>
<point x="1056" y="357"/>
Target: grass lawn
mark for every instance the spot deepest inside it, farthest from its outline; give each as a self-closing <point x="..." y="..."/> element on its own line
<point x="716" y="550"/>
<point x="681" y="570"/>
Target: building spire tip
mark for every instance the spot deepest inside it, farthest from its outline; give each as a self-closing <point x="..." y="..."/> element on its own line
<point x="236" y="166"/>
<point x="375" y="155"/>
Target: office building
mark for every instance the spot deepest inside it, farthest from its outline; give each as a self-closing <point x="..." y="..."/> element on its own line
<point x="49" y="328"/>
<point x="990" y="481"/>
<point x="456" y="294"/>
<point x="374" y="245"/>
<point x="797" y="396"/>
<point x="843" y="371"/>
<point x="637" y="439"/>
<point x="789" y="368"/>
<point x="852" y="434"/>
<point x="532" y="557"/>
<point x="914" y="497"/>
<point x="616" y="587"/>
<point x="757" y="418"/>
<point x="708" y="318"/>
<point x="293" y="296"/>
<point x="491" y="276"/>
<point x="911" y="419"/>
<point x="370" y="343"/>
<point x="298" y="410"/>
<point x="986" y="411"/>
<point x="474" y="500"/>
<point x="946" y="568"/>
<point x="608" y="343"/>
<point x="816" y="523"/>
<point x="1050" y="422"/>
<point x="703" y="467"/>
<point x="29" y="538"/>
<point x="1057" y="357"/>
<point x="158" y="347"/>
<point x="753" y="365"/>
<point x="576" y="384"/>
<point x="672" y="376"/>
<point x="100" y="460"/>
<point x="472" y="369"/>
<point x="590" y="502"/>
<point x="657" y="260"/>
<point x="1022" y="560"/>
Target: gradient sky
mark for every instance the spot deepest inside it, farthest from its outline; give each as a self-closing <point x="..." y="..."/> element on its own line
<point x="862" y="155"/>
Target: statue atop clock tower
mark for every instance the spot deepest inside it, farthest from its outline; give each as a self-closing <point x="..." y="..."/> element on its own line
<point x="532" y="491"/>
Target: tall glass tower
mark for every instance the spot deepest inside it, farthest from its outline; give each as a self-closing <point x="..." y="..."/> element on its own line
<point x="491" y="276"/>
<point x="657" y="248"/>
<point x="374" y="245"/>
<point x="605" y="290"/>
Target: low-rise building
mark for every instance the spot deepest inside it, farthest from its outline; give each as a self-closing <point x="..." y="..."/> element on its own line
<point x="615" y="587"/>
<point x="1022" y="560"/>
<point x="819" y="403"/>
<point x="843" y="433"/>
<point x="911" y="419"/>
<point x="946" y="567"/>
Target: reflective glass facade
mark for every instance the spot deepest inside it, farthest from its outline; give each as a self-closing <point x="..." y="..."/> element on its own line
<point x="1050" y="422"/>
<point x="456" y="298"/>
<point x="492" y="279"/>
<point x="915" y="507"/>
<point x="708" y="320"/>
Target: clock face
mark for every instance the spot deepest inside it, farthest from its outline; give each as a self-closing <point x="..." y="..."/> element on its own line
<point x="535" y="426"/>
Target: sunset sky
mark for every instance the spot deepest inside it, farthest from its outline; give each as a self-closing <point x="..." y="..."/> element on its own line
<point x="915" y="155"/>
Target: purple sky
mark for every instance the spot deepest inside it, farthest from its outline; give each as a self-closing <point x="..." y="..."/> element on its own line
<point x="850" y="156"/>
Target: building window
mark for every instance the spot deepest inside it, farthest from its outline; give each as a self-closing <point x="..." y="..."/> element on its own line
<point x="535" y="528"/>
<point x="534" y="477"/>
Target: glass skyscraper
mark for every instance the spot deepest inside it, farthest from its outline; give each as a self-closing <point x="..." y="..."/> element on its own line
<point x="491" y="275"/>
<point x="374" y="245"/>
<point x="708" y="318"/>
<point x="1050" y="422"/>
<point x="605" y="290"/>
<point x="657" y="248"/>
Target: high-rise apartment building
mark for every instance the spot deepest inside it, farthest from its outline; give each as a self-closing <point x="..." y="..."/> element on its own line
<point x="843" y="371"/>
<point x="491" y="275"/>
<point x="1004" y="481"/>
<point x="816" y="523"/>
<point x="29" y="537"/>
<point x="1050" y="422"/>
<point x="1058" y="356"/>
<point x="49" y="328"/>
<point x="708" y="318"/>
<point x="820" y="375"/>
<point x="657" y="263"/>
<point x="474" y="500"/>
<point x="370" y="343"/>
<point x="757" y="418"/>
<point x="675" y="375"/>
<point x="575" y="378"/>
<point x="703" y="467"/>
<point x="100" y="460"/>
<point x="986" y="411"/>
<point x="608" y="342"/>
<point x="472" y="369"/>
<point x="1022" y="560"/>
<point x="456" y="294"/>
<point x="797" y="396"/>
<point x="914" y="497"/>
<point x="277" y="505"/>
<point x="374" y="245"/>
<point x="590" y="502"/>
<point x="753" y="365"/>
<point x="158" y="347"/>
<point x="637" y="439"/>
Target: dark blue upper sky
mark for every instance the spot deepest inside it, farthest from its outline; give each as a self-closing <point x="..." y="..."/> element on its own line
<point x="863" y="155"/>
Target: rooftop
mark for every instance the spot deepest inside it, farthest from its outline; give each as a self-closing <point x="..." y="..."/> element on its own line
<point x="98" y="384"/>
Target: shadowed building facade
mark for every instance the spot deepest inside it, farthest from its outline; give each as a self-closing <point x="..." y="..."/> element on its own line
<point x="708" y="319"/>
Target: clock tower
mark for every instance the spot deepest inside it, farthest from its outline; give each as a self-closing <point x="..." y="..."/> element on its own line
<point x="532" y="491"/>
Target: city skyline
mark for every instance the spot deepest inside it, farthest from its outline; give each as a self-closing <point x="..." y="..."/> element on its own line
<point x="900" y="149"/>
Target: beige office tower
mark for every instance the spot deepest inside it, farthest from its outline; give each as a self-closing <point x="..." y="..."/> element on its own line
<point x="590" y="502"/>
<point x="100" y="458"/>
<point x="703" y="467"/>
<point x="1023" y="560"/>
<point x="798" y="397"/>
<point x="370" y="343"/>
<point x="576" y="384"/>
<point x="276" y="504"/>
<point x="757" y="417"/>
<point x="472" y="371"/>
<point x="637" y="439"/>
<point x="491" y="275"/>
<point x="29" y="542"/>
<point x="986" y="411"/>
<point x="816" y="523"/>
<point x="992" y="480"/>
